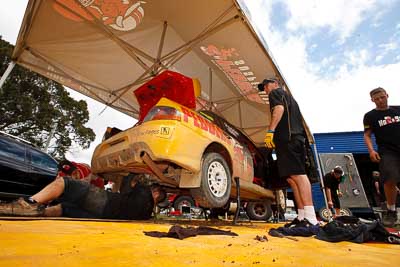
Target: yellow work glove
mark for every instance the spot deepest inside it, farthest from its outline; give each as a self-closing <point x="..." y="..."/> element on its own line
<point x="269" y="139"/>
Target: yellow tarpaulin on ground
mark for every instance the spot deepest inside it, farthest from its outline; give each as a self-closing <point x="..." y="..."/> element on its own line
<point x="96" y="243"/>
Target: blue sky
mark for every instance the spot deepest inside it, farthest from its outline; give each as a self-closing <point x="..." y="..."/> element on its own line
<point x="331" y="53"/>
<point x="378" y="34"/>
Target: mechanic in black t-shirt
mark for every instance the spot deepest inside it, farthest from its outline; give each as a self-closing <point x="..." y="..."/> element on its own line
<point x="79" y="199"/>
<point x="384" y="123"/>
<point x="286" y="135"/>
<point x="332" y="181"/>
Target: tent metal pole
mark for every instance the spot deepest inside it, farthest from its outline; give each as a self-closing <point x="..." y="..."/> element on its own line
<point x="6" y="74"/>
<point x="51" y="134"/>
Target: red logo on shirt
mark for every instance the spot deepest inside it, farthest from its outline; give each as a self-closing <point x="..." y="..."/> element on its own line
<point x="388" y="120"/>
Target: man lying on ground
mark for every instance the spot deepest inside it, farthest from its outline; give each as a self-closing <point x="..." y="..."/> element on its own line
<point x="79" y="199"/>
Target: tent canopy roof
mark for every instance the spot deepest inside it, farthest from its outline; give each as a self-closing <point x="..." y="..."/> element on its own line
<point x="107" y="49"/>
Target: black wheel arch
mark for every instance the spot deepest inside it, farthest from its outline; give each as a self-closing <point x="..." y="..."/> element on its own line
<point x="203" y="194"/>
<point x="220" y="149"/>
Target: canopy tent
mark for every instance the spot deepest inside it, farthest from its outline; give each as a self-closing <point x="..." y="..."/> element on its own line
<point x="105" y="49"/>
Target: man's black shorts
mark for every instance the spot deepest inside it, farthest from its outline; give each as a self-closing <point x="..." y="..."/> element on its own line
<point x="291" y="157"/>
<point x="335" y="201"/>
<point x="390" y="166"/>
<point x="82" y="200"/>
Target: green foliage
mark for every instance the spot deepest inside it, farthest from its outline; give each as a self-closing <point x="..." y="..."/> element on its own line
<point x="31" y="105"/>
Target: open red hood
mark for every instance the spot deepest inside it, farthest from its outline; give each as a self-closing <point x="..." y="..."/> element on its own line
<point x="168" y="84"/>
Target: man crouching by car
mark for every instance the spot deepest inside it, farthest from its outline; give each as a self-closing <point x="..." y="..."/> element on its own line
<point x="79" y="199"/>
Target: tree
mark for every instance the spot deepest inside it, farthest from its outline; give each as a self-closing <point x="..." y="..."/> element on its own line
<point x="31" y="105"/>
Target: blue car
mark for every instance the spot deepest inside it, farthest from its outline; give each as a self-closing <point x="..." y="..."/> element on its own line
<point x="24" y="169"/>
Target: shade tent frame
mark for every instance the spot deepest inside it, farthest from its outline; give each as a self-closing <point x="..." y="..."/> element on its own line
<point x="7" y="73"/>
<point x="231" y="15"/>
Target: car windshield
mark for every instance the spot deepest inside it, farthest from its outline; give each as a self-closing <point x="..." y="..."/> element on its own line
<point x="43" y="161"/>
<point x="163" y="113"/>
<point x="12" y="149"/>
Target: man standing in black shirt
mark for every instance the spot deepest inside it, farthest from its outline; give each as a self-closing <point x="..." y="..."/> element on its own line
<point x="286" y="135"/>
<point x="332" y="181"/>
<point x="384" y="123"/>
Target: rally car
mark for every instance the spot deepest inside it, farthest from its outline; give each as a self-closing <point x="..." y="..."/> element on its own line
<point x="177" y="147"/>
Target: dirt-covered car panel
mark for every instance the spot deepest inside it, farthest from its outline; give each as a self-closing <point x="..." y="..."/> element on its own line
<point x="153" y="138"/>
<point x="181" y="142"/>
<point x="179" y="147"/>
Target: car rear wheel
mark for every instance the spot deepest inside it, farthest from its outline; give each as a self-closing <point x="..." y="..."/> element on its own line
<point x="259" y="211"/>
<point x="183" y="201"/>
<point x="215" y="186"/>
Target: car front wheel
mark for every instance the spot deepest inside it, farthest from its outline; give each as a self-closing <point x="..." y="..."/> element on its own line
<point x="215" y="186"/>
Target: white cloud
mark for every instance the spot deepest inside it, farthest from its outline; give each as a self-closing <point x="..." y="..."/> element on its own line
<point x="97" y="121"/>
<point x="355" y="57"/>
<point x="336" y="102"/>
<point x="263" y="17"/>
<point x="11" y="16"/>
<point x="385" y="49"/>
<point x="341" y="16"/>
<point x="378" y="58"/>
<point x="313" y="46"/>
<point x="327" y="61"/>
<point x="388" y="46"/>
<point x="339" y="103"/>
<point x="376" y="24"/>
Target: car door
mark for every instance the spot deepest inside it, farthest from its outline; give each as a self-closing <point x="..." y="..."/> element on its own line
<point x="43" y="169"/>
<point x="14" y="170"/>
<point x="351" y="187"/>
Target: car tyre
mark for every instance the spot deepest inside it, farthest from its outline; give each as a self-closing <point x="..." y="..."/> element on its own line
<point x="183" y="201"/>
<point x="345" y="212"/>
<point x="325" y="213"/>
<point x="216" y="212"/>
<point x="215" y="185"/>
<point x="259" y="211"/>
